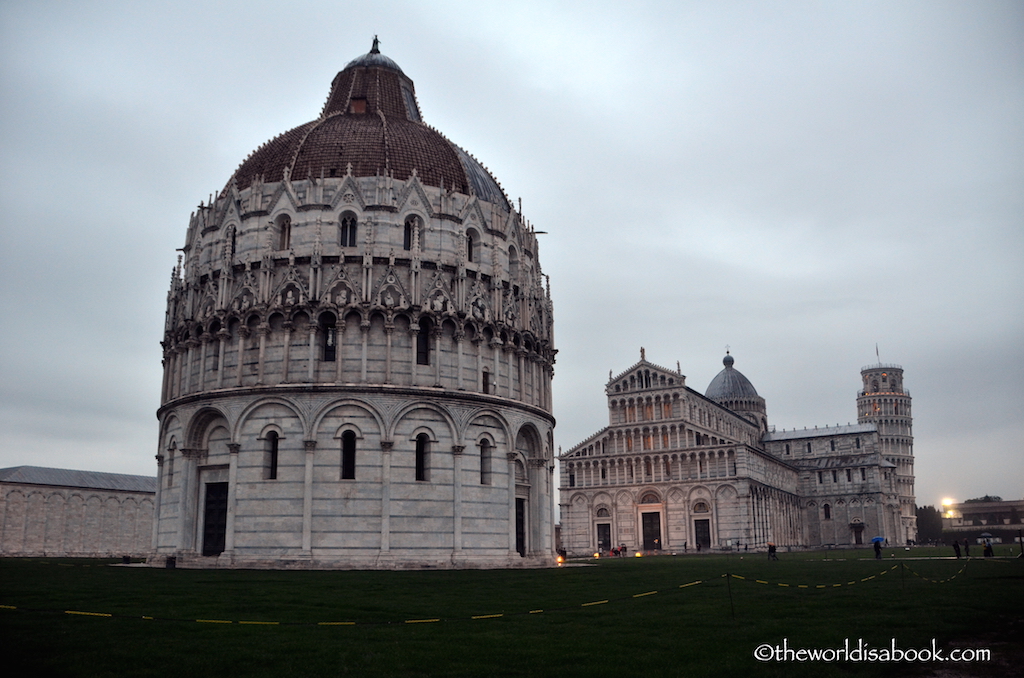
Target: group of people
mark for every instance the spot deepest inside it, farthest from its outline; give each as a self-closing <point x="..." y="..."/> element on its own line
<point x="986" y="550"/>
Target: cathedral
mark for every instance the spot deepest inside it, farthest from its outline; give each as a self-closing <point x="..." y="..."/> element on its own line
<point x="676" y="470"/>
<point x="357" y="354"/>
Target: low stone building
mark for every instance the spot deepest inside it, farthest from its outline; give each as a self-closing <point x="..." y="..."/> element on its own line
<point x="62" y="512"/>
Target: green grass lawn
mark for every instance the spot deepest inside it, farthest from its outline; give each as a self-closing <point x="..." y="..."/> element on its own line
<point x="554" y="622"/>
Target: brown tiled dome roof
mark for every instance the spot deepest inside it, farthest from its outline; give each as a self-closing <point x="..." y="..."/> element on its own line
<point x="371" y="120"/>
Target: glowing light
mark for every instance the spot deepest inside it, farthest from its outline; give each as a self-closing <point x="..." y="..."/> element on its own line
<point x="638" y="554"/>
<point x="597" y="555"/>
<point x="948" y="502"/>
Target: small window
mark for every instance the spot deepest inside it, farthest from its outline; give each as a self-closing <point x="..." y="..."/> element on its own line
<point x="423" y="342"/>
<point x="572" y="480"/>
<point x="485" y="462"/>
<point x="422" y="456"/>
<point x="858" y="443"/>
<point x="284" y="232"/>
<point x="849" y="475"/>
<point x="808" y="448"/>
<point x="787" y="449"/>
<point x="411" y="226"/>
<point x="357" y="106"/>
<point x="329" y="337"/>
<point x="701" y="507"/>
<point x="603" y="513"/>
<point x="832" y="445"/>
<point x="272" y="455"/>
<point x="863" y="474"/>
<point x="348" y="227"/>
<point x="835" y="477"/>
<point x="486" y="382"/>
<point x="819" y="478"/>
<point x="470" y="245"/>
<point x="348" y="455"/>
<point x="828" y="511"/>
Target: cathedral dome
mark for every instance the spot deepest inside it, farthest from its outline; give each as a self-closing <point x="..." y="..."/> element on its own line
<point x="730" y="383"/>
<point x="369" y="126"/>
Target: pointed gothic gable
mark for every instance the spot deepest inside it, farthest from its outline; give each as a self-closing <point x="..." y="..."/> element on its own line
<point x="479" y="302"/>
<point x="349" y="193"/>
<point x="389" y="292"/>
<point x="472" y="214"/>
<point x="341" y="289"/>
<point x="282" y="199"/>
<point x="437" y="296"/>
<point x="655" y="372"/>
<point x="412" y="193"/>
<point x="292" y="290"/>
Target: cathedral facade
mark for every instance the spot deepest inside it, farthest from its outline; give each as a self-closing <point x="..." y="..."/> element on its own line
<point x="358" y="354"/>
<point x="677" y="470"/>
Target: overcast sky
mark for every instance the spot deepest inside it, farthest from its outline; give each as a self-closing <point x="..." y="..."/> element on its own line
<point x="799" y="181"/>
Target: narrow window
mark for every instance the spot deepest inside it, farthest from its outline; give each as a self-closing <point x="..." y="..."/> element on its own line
<point x="828" y="511"/>
<point x="349" y="226"/>
<point x="329" y="337"/>
<point x="348" y="455"/>
<point x="170" y="466"/>
<point x="422" y="452"/>
<point x="486" y="386"/>
<point x="832" y="445"/>
<point x="485" y="462"/>
<point x="858" y="443"/>
<point x="863" y="474"/>
<point x="284" y="232"/>
<point x="808" y="448"/>
<point x="819" y="478"/>
<point x="470" y="245"/>
<point x="835" y="477"/>
<point x="411" y="223"/>
<point x="272" y="452"/>
<point x="787" y="449"/>
<point x="423" y="342"/>
<point x="572" y="480"/>
<point x="849" y="475"/>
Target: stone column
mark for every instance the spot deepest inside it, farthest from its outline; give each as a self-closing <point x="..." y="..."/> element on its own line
<point x="204" y="342"/>
<point x="389" y="330"/>
<point x="339" y="353"/>
<point x="222" y="338"/>
<point x="457" y="451"/>
<point x="311" y="372"/>
<point x="512" y="456"/>
<point x="243" y="334"/>
<point x="286" y="361"/>
<point x="385" y="498"/>
<point x="188" y="500"/>
<point x="307" y="500"/>
<point x="229" y="530"/>
<point x="438" y="333"/>
<point x="457" y="338"/>
<point x="263" y="330"/>
<point x="364" y="328"/>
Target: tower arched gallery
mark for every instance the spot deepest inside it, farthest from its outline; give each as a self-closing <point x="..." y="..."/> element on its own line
<point x="357" y="354"/>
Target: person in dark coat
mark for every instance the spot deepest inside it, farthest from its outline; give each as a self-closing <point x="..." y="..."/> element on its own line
<point x="956" y="548"/>
<point x="878" y="550"/>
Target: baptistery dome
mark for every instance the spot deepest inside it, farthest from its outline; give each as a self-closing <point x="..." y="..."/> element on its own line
<point x="358" y="351"/>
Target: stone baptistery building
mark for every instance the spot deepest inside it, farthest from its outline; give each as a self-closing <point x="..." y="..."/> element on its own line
<point x="357" y="354"/>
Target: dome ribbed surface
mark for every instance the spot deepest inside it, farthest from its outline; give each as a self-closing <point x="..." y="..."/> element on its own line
<point x="370" y="121"/>
<point x="730" y="383"/>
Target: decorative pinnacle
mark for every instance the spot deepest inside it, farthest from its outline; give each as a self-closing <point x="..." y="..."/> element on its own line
<point x="376" y="46"/>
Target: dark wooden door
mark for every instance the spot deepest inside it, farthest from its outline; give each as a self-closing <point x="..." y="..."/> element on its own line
<point x="652" y="531"/>
<point x="702" y="532"/>
<point x="604" y="537"/>
<point x="215" y="518"/>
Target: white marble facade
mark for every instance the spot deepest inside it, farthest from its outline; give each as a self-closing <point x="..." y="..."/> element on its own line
<point x="358" y="355"/>
<point x="676" y="469"/>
